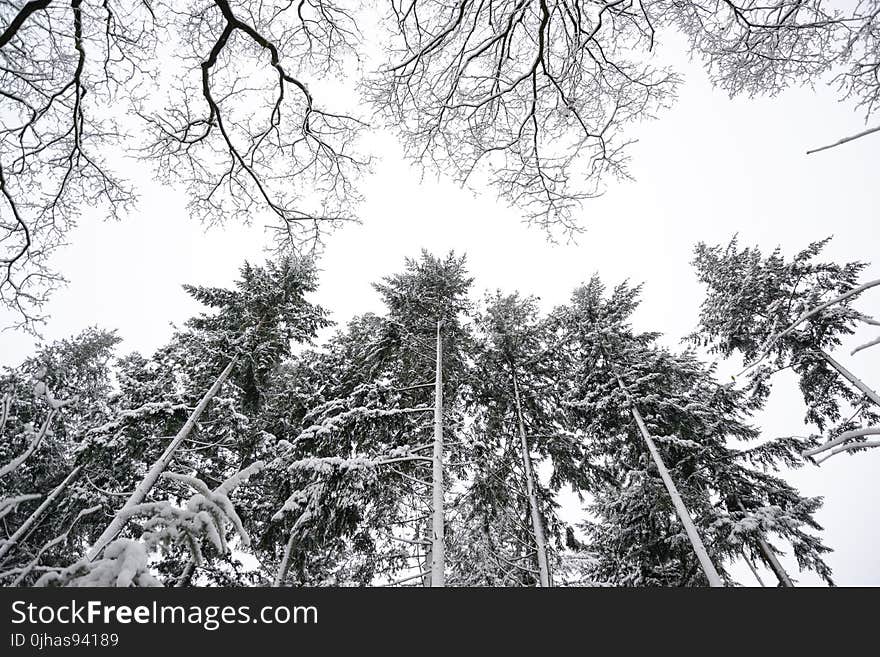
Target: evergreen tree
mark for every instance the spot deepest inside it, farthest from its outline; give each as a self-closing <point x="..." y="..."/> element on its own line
<point x="203" y="388"/>
<point x="363" y="437"/>
<point x="516" y="414"/>
<point x="414" y="446"/>
<point x="780" y="314"/>
<point x="620" y="378"/>
<point x="49" y="403"/>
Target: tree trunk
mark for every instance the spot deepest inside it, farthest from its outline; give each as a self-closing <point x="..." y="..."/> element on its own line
<point x="285" y="560"/>
<point x="753" y="569"/>
<point x="150" y="479"/>
<point x="21" y="531"/>
<point x="770" y="556"/>
<point x="852" y="378"/>
<point x="537" y="522"/>
<point x="488" y="575"/>
<point x="777" y="568"/>
<point x="437" y="542"/>
<point x="680" y="509"/>
<point x="426" y="567"/>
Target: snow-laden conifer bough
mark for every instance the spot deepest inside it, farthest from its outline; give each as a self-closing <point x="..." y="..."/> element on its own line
<point x="40" y="390"/>
<point x="433" y="572"/>
<point x="143" y="488"/>
<point x="805" y="340"/>
<point x="124" y="562"/>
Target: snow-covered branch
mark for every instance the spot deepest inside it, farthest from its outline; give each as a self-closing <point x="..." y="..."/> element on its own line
<point x="26" y="525"/>
<point x="10" y="504"/>
<point x="41" y="391"/>
<point x="845" y="437"/>
<point x="29" y="568"/>
<point x="867" y="345"/>
<point x="859" y="135"/>
<point x="773" y="339"/>
<point x="159" y="466"/>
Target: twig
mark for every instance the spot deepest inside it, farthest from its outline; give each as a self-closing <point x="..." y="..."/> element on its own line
<point x="845" y="140"/>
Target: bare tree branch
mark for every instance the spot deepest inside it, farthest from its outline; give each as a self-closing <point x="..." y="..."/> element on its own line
<point x="532" y="92"/>
<point x="221" y="105"/>
<point x="845" y="140"/>
<point x="537" y="94"/>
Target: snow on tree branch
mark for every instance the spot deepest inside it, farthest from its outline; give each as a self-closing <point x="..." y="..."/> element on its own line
<point x="124" y="562"/>
<point x="839" y="444"/>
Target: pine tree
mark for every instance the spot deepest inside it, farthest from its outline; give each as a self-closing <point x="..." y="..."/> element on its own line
<point x="366" y="438"/>
<point x="50" y="401"/>
<point x="625" y="388"/>
<point x="412" y="448"/>
<point x="221" y="361"/>
<point x="780" y="314"/>
<point x="516" y="413"/>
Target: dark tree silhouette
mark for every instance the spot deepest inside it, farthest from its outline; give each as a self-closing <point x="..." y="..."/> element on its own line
<point x="222" y="105"/>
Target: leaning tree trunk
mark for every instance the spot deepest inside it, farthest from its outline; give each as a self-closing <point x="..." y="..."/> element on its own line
<point x="12" y="541"/>
<point x="775" y="566"/>
<point x="150" y="479"/>
<point x="852" y="378"/>
<point x="680" y="509"/>
<point x="438" y="550"/>
<point x="753" y="569"/>
<point x="537" y="522"/>
<point x="770" y="556"/>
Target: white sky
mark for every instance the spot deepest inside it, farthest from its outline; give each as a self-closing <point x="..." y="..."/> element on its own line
<point x="705" y="169"/>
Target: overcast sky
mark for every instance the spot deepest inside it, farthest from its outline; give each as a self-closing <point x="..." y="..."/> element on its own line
<point x="705" y="169"/>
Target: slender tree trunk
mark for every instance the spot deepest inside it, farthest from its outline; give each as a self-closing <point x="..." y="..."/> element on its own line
<point x="852" y="378"/>
<point x="680" y="509"/>
<point x="488" y="575"/>
<point x="683" y="514"/>
<point x="6" y="406"/>
<point x="537" y="522"/>
<point x="770" y="556"/>
<point x="285" y="560"/>
<point x="753" y="569"/>
<point x="150" y="479"/>
<point x="777" y="568"/>
<point x="27" y="524"/>
<point x="438" y="548"/>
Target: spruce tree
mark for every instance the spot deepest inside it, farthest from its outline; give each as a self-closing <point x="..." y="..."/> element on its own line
<point x="516" y="414"/>
<point x="49" y="403"/>
<point x="364" y="437"/>
<point x="694" y="423"/>
<point x="204" y="389"/>
<point x="780" y="314"/>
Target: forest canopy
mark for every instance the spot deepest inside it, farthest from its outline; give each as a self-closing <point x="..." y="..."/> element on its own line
<point x="428" y="444"/>
<point x="229" y="102"/>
